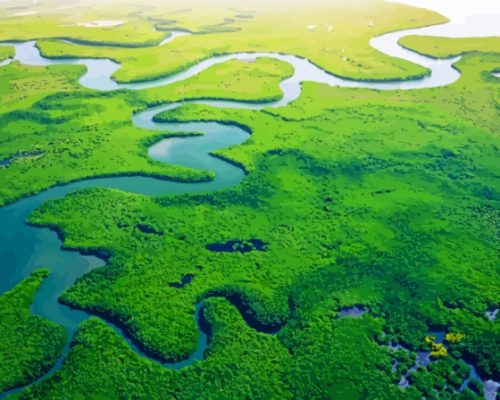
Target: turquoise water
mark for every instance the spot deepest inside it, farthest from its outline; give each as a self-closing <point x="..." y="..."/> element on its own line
<point x="24" y="248"/>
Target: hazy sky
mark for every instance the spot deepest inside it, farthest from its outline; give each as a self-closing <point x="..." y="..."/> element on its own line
<point x="458" y="9"/>
<point x="468" y="17"/>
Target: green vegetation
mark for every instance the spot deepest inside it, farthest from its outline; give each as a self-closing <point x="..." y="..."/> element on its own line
<point x="236" y="80"/>
<point x="135" y="32"/>
<point x="70" y="143"/>
<point x="6" y="52"/>
<point x="321" y="32"/>
<point x="230" y="371"/>
<point x="362" y="197"/>
<point x="29" y="344"/>
<point x="201" y="17"/>
<point x="383" y="200"/>
<point x="63" y="142"/>
<point x="454" y="338"/>
<point x="21" y="86"/>
<point x="442" y="47"/>
<point x="444" y="378"/>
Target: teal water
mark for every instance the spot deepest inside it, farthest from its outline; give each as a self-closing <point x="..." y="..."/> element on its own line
<point x="24" y="248"/>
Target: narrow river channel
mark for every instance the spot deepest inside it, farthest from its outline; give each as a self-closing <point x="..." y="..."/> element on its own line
<point x="24" y="248"/>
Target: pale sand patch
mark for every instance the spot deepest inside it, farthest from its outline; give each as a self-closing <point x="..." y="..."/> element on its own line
<point x="25" y="13"/>
<point x="99" y="24"/>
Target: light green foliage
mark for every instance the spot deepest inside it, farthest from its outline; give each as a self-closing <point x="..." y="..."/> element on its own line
<point x="363" y="197"/>
<point x="321" y="32"/>
<point x="21" y="86"/>
<point x="6" y="52"/>
<point x="339" y="358"/>
<point x="69" y="142"/>
<point x="385" y="199"/>
<point x="230" y="371"/>
<point x="442" y="379"/>
<point x="255" y="81"/>
<point x="442" y="47"/>
<point x="65" y="24"/>
<point x="100" y="356"/>
<point x="65" y="142"/>
<point x="29" y="344"/>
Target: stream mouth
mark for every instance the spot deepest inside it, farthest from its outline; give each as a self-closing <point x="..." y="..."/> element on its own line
<point x="25" y="248"/>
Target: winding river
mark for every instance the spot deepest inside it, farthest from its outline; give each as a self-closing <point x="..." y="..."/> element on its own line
<point x="25" y="248"/>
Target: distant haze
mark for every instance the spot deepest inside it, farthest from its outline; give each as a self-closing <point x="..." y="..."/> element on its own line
<point x="469" y="18"/>
<point x="477" y="18"/>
